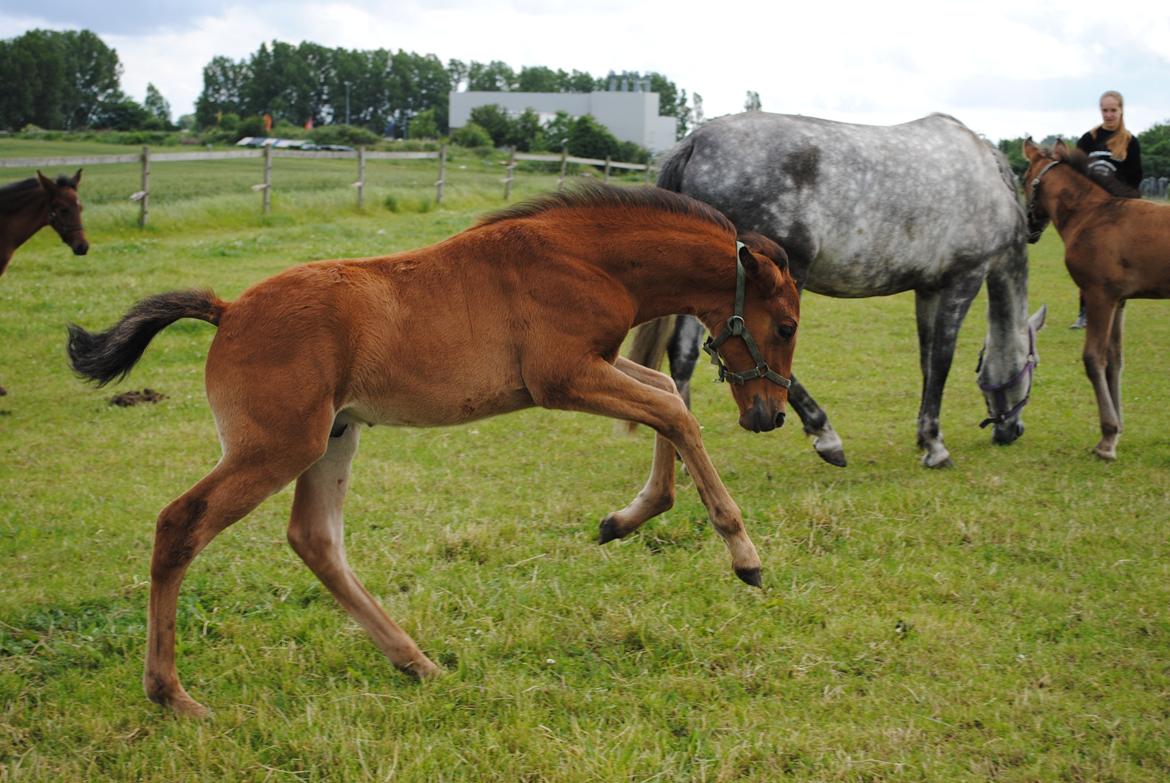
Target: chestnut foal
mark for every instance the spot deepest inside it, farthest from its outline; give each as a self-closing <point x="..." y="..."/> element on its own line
<point x="1116" y="248"/>
<point x="529" y="307"/>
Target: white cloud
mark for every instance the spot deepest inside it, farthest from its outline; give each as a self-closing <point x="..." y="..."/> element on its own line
<point x="1001" y="66"/>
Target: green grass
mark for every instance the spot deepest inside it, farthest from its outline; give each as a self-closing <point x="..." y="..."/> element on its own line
<point x="1008" y="619"/>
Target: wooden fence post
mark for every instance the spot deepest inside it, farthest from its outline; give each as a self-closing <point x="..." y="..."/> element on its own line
<point x="508" y="180"/>
<point x="607" y="168"/>
<point x="647" y="172"/>
<point x="564" y="168"/>
<point x="442" y="174"/>
<point x="361" y="180"/>
<point x="143" y="208"/>
<point x="267" y="178"/>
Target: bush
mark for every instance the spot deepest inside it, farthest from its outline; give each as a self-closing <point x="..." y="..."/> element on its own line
<point x="423" y="126"/>
<point x="344" y="134"/>
<point x="471" y="135"/>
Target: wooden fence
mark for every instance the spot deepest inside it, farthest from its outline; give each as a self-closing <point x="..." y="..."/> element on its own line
<point x="267" y="153"/>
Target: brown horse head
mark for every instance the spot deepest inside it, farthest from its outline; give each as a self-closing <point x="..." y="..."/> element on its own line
<point x="765" y="328"/>
<point x="65" y="210"/>
<point x="1040" y="161"/>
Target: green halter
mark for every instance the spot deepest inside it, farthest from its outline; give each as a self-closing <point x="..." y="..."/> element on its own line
<point x="736" y="328"/>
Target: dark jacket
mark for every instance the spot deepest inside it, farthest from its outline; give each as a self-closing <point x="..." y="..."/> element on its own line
<point x="1129" y="170"/>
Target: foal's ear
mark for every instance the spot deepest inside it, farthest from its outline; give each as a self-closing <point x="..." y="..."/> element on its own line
<point x="76" y="179"/>
<point x="1060" y="149"/>
<point x="46" y="183"/>
<point x="766" y="276"/>
<point x="1031" y="150"/>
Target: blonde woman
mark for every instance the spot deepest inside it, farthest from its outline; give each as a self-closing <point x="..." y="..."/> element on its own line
<point x="1114" y="150"/>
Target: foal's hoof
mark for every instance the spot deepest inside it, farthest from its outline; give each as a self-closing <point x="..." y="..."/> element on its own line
<point x="608" y="531"/>
<point x="751" y="576"/>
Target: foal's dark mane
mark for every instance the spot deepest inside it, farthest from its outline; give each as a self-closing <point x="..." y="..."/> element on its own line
<point x="598" y="195"/>
<point x="15" y="195"/>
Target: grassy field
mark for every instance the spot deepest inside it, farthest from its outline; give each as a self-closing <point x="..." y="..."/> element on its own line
<point x="1008" y="619"/>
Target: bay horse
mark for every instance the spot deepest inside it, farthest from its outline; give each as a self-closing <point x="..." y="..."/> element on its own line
<point x="863" y="211"/>
<point x="1116" y="248"/>
<point x="527" y="308"/>
<point x="31" y="204"/>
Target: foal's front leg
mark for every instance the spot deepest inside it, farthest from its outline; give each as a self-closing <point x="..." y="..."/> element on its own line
<point x="602" y="388"/>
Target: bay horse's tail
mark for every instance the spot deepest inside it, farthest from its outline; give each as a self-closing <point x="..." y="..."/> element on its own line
<point x="110" y="355"/>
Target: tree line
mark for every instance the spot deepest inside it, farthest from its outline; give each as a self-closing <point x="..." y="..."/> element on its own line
<point x="382" y="90"/>
<point x="70" y="81"/>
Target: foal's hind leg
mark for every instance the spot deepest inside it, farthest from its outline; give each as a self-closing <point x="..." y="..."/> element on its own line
<point x="658" y="495"/>
<point x="316" y="532"/>
<point x="1101" y="314"/>
<point x="237" y="485"/>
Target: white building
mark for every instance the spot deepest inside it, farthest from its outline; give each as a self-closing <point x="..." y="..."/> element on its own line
<point x="630" y="116"/>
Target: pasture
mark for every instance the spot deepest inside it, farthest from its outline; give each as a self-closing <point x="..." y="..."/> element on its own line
<point x="1008" y="619"/>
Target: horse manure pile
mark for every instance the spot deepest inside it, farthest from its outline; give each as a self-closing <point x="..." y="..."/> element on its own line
<point x="126" y="399"/>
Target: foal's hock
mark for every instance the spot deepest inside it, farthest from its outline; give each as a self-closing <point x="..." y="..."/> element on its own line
<point x="531" y="304"/>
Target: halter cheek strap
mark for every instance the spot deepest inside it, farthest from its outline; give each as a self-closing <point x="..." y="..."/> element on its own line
<point x="736" y="327"/>
<point x="1000" y="390"/>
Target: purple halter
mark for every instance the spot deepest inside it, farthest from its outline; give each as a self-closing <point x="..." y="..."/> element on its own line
<point x="1000" y="389"/>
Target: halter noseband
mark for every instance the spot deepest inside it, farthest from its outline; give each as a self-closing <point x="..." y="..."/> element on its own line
<point x="1000" y="390"/>
<point x="737" y="328"/>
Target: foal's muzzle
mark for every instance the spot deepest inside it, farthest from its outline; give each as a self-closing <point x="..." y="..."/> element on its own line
<point x="80" y="247"/>
<point x="761" y="417"/>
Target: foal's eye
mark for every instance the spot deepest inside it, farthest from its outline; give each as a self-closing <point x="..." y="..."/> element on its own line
<point x="786" y="330"/>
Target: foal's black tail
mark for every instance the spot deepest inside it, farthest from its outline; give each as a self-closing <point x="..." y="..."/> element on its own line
<point x="110" y="355"/>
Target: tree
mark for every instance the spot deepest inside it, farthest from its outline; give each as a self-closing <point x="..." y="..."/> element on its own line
<point x="588" y="138"/>
<point x="752" y="101"/>
<point x="1155" y="143"/>
<point x="223" y="91"/>
<point x="58" y="80"/>
<point x="423" y="126"/>
<point x="1013" y="150"/>
<point x="156" y="106"/>
<point x="495" y="120"/>
<point x="496" y="76"/>
<point x="541" y="79"/>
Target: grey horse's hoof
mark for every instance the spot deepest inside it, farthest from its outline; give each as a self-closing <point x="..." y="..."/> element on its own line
<point x="833" y="457"/>
<point x="751" y="576"/>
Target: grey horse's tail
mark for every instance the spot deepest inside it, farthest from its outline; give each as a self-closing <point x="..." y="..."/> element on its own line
<point x="671" y="174"/>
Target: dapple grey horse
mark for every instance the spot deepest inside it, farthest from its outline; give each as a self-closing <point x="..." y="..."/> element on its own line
<point x="866" y="211"/>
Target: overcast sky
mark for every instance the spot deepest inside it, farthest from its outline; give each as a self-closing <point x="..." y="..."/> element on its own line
<point x="1004" y="67"/>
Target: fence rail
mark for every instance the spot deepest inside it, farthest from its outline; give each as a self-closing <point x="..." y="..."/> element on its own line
<point x="146" y="157"/>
